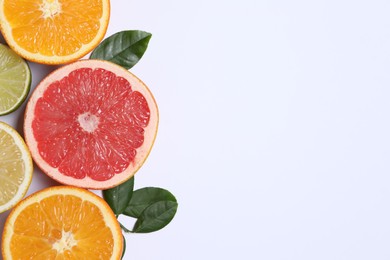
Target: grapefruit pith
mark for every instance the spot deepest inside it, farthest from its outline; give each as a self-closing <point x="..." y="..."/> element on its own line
<point x="91" y="124"/>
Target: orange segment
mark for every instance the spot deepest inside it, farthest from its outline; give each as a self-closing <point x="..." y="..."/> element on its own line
<point x="21" y="246"/>
<point x="53" y="31"/>
<point x="62" y="223"/>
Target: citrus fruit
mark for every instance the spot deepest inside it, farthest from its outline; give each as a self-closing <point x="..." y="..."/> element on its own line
<point x="62" y="222"/>
<point x="53" y="31"/>
<point x="15" y="80"/>
<point x="91" y="124"/>
<point x="16" y="167"/>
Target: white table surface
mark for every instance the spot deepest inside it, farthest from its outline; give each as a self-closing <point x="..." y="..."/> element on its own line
<point x="274" y="131"/>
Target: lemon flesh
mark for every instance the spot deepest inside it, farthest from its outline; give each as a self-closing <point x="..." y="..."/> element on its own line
<point x="15" y="167"/>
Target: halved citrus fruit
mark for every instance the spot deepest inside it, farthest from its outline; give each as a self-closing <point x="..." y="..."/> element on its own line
<point x="62" y="222"/>
<point x="16" y="167"/>
<point x="91" y="124"/>
<point x="54" y="31"/>
<point x="15" y="80"/>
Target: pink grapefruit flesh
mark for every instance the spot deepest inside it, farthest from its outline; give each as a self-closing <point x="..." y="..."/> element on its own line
<point x="91" y="124"/>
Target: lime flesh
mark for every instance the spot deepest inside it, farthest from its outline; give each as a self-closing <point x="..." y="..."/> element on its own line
<point x="15" y="80"/>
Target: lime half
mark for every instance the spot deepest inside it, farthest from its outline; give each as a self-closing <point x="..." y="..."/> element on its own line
<point x="15" y="80"/>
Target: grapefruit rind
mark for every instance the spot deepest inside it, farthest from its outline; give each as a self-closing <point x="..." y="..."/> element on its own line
<point x="107" y="214"/>
<point x="26" y="157"/>
<point x="142" y="152"/>
<point x="6" y="31"/>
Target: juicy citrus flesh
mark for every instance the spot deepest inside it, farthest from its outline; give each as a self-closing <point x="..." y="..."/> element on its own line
<point x="15" y="80"/>
<point x="62" y="222"/>
<point x="15" y="167"/>
<point x="91" y="124"/>
<point x="88" y="113"/>
<point x="54" y="31"/>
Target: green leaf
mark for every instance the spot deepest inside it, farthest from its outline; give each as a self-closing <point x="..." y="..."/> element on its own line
<point x="119" y="197"/>
<point x="155" y="217"/>
<point x="124" y="48"/>
<point x="145" y="197"/>
<point x="124" y="246"/>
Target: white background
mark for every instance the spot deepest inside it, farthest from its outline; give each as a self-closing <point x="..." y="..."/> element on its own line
<point x="274" y="130"/>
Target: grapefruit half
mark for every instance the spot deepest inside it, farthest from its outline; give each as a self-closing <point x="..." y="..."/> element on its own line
<point x="91" y="124"/>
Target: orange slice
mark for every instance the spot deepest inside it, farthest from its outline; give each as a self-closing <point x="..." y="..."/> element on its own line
<point x="53" y="31"/>
<point x="62" y="223"/>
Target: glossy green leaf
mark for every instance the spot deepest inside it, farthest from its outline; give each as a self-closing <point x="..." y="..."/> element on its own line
<point x="155" y="217"/>
<point x="124" y="48"/>
<point x="145" y="197"/>
<point x="119" y="197"/>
